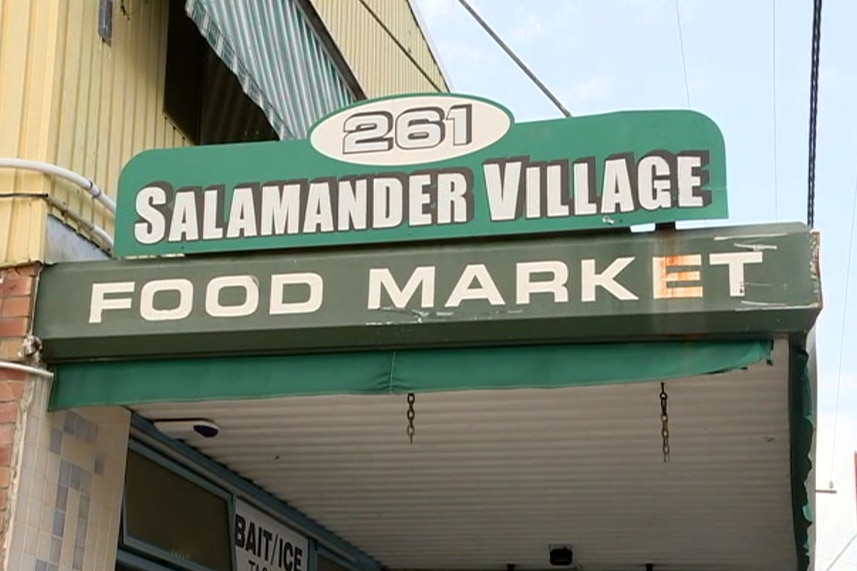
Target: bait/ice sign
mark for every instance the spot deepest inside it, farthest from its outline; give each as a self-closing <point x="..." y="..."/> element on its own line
<point x="424" y="167"/>
<point x="411" y="130"/>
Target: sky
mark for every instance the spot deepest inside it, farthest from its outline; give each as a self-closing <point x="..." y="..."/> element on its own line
<point x="747" y="65"/>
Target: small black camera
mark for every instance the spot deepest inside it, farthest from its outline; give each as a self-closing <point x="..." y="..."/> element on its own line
<point x="561" y="556"/>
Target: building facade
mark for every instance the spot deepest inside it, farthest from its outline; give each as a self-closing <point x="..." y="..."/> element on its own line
<point x="86" y="85"/>
<point x="257" y="314"/>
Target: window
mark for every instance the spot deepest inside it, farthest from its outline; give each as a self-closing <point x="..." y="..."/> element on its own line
<point x="202" y="97"/>
<point x="174" y="518"/>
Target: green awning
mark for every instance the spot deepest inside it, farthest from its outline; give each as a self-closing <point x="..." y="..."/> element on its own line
<point x="279" y="61"/>
<point x="394" y="372"/>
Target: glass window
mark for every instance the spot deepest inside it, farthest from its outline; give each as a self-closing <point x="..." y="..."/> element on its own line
<point x="179" y="518"/>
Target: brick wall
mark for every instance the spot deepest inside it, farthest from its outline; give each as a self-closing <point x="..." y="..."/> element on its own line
<point x="17" y="286"/>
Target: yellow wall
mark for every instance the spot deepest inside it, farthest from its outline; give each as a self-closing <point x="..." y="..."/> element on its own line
<point x="381" y="67"/>
<point x="70" y="99"/>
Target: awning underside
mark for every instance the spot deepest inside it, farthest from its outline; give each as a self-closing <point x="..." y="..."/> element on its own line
<point x="495" y="477"/>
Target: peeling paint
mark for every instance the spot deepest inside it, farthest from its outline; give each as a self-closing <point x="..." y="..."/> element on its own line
<point x="756" y="247"/>
<point x="750" y="236"/>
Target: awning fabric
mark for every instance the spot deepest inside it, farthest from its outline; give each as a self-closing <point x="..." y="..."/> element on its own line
<point x="394" y="372"/>
<point x="278" y="60"/>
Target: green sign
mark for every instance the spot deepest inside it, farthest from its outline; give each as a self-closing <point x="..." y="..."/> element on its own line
<point x="423" y="167"/>
<point x="752" y="280"/>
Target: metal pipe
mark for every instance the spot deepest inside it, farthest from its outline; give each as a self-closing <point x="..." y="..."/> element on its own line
<point x="515" y="58"/>
<point x="50" y="169"/>
<point x="26" y="369"/>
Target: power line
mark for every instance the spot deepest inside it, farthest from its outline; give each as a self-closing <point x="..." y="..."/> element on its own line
<point x="683" y="58"/>
<point x="515" y="58"/>
<point x="774" y="104"/>
<point x="813" y="111"/>
<point x="842" y="335"/>
<point x="841" y="553"/>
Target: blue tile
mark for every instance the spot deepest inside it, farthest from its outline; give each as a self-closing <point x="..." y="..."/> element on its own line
<point x="59" y="523"/>
<point x="65" y="473"/>
<point x="62" y="498"/>
<point x="75" y="477"/>
<point x="56" y="441"/>
<point x="99" y="464"/>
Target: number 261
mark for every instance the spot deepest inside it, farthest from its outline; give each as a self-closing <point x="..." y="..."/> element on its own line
<point x="413" y="129"/>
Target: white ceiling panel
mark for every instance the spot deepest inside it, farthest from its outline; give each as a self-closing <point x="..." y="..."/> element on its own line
<point x="495" y="477"/>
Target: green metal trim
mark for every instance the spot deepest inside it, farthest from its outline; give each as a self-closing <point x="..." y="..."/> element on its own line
<point x="394" y="372"/>
<point x="802" y="428"/>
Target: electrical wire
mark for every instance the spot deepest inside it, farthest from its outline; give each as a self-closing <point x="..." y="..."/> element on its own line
<point x="774" y="105"/>
<point x="515" y="58"/>
<point x="683" y="57"/>
<point x="841" y="553"/>
<point x="842" y="338"/>
<point x="813" y="112"/>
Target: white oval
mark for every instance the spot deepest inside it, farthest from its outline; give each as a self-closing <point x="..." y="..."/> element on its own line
<point x="410" y="130"/>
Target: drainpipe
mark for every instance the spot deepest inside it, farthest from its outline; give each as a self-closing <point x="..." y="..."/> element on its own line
<point x="26" y="369"/>
<point x="47" y="168"/>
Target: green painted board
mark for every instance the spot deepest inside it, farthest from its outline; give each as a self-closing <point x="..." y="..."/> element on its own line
<point x="424" y="168"/>
<point x="736" y="281"/>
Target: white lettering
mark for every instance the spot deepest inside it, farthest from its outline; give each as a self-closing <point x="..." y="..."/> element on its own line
<point x="210" y="215"/>
<point x="486" y="288"/>
<point x="663" y="278"/>
<point x="280" y="213"/>
<point x="555" y="284"/>
<point x="557" y="207"/>
<point x="319" y="213"/>
<point x="533" y="191"/>
<point x="736" y="262"/>
<point x="590" y="280"/>
<point x="616" y="191"/>
<point x="98" y="302"/>
<point x="419" y="198"/>
<point x="242" y="214"/>
<point x="279" y="306"/>
<point x="353" y="205"/>
<point x="182" y="309"/>
<point x="688" y="182"/>
<point x="215" y="308"/>
<point x="502" y="189"/>
<point x="451" y="198"/>
<point x="184" y="225"/>
<point x="583" y="204"/>
<point x="152" y="227"/>
<point x="422" y="278"/>
<point x="387" y="208"/>
<point x="653" y="188"/>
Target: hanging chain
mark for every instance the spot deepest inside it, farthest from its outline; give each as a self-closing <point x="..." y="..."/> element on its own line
<point x="665" y="424"/>
<point x="411" y="415"/>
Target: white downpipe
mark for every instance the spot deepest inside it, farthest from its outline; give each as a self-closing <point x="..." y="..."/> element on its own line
<point x="26" y="369"/>
<point x="47" y="168"/>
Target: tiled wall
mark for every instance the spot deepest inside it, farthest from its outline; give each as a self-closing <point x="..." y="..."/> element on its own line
<point x="67" y="503"/>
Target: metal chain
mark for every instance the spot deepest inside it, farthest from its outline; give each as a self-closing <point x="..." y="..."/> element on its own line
<point x="411" y="415"/>
<point x="665" y="424"/>
<point x="813" y="111"/>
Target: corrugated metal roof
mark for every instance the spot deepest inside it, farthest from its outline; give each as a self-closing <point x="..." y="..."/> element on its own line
<point x="494" y="477"/>
<point x="281" y="64"/>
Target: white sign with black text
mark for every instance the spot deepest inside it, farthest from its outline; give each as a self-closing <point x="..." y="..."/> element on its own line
<point x="264" y="544"/>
